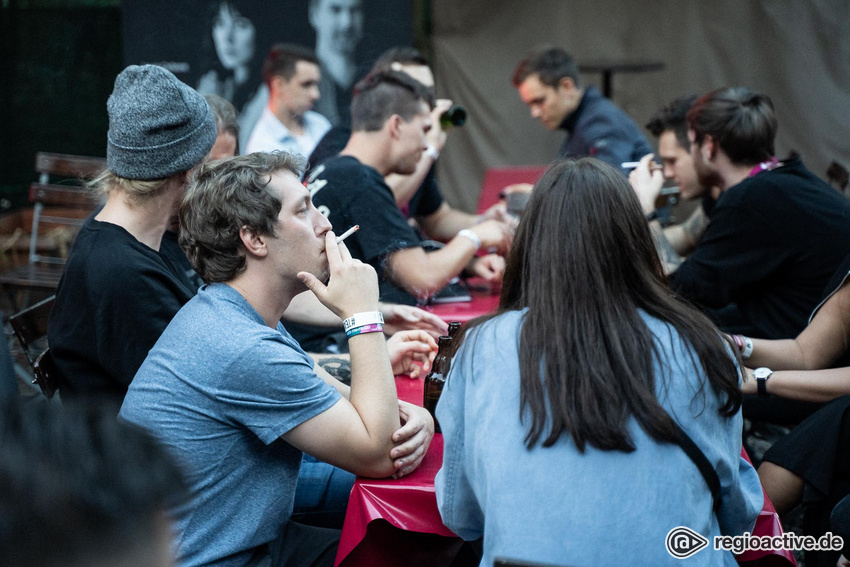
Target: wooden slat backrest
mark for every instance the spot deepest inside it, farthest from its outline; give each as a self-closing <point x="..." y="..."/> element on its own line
<point x="44" y="194"/>
<point x="65" y="165"/>
<point x="62" y="196"/>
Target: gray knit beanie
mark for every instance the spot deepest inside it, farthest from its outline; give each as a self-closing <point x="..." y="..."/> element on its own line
<point x="158" y="126"/>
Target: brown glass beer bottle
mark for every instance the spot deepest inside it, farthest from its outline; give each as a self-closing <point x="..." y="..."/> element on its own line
<point x="436" y="379"/>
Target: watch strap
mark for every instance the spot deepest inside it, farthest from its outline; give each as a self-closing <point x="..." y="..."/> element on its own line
<point x="762" y="375"/>
<point x="761" y="383"/>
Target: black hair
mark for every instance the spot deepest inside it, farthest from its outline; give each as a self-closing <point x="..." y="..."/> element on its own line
<point x="383" y="94"/>
<point x="674" y="117"/>
<point x="282" y="59"/>
<point x="549" y="63"/>
<point x="742" y="122"/>
<point x="80" y="488"/>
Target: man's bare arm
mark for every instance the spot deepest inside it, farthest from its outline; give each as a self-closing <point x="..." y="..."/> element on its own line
<point x="444" y="223"/>
<point x="666" y="253"/>
<point x="685" y="236"/>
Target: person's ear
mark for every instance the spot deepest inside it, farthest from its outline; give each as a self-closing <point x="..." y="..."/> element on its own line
<point x="709" y="147"/>
<point x="393" y="125"/>
<point x="566" y="84"/>
<point x="254" y="243"/>
<point x="276" y="84"/>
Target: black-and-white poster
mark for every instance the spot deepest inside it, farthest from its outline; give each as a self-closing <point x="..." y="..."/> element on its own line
<point x="218" y="46"/>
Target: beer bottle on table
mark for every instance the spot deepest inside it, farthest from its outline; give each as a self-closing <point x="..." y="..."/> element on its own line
<point x="436" y="379"/>
<point x="454" y="327"/>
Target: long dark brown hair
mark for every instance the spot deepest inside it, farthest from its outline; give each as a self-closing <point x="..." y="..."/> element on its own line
<point x="583" y="263"/>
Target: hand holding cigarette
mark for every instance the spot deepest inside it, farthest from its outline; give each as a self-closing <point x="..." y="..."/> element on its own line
<point x="646" y="179"/>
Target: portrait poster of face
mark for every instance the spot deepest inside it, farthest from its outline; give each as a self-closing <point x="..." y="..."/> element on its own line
<point x="218" y="46"/>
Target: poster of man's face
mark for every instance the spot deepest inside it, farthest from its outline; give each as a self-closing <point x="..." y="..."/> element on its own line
<point x="218" y="46"/>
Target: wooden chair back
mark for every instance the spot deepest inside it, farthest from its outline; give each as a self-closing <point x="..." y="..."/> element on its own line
<point x="69" y="203"/>
<point x="60" y="205"/>
<point x="30" y="327"/>
<point x="65" y="165"/>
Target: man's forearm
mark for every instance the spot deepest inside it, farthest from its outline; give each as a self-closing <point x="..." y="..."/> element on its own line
<point x="445" y="223"/>
<point x="666" y="253"/>
<point x="422" y="274"/>
<point x="373" y="393"/>
<point x="684" y="237"/>
<point x="679" y="239"/>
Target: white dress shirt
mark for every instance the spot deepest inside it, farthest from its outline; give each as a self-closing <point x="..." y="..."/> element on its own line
<point x="270" y="134"/>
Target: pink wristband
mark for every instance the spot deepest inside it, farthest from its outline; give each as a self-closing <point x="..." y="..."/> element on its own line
<point x="374" y="328"/>
<point x="739" y="342"/>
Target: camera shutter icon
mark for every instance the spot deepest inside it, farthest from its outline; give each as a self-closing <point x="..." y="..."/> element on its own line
<point x="683" y="542"/>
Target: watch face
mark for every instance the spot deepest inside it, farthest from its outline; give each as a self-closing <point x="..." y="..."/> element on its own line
<point x="762" y="373"/>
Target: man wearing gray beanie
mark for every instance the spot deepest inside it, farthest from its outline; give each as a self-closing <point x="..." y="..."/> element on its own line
<point x="118" y="291"/>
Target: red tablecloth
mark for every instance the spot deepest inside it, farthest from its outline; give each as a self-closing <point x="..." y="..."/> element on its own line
<point x="484" y="300"/>
<point x="410" y="504"/>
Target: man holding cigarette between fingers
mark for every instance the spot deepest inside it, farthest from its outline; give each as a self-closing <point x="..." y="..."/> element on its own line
<point x="390" y="116"/>
<point x="670" y="126"/>
<point x="548" y="82"/>
<point x="233" y="396"/>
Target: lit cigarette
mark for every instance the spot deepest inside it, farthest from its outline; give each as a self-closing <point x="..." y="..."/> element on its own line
<point x="634" y="164"/>
<point x="347" y="233"/>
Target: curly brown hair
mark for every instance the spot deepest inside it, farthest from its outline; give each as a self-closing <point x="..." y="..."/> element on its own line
<point x="224" y="197"/>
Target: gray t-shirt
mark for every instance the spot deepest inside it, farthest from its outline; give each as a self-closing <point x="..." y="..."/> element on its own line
<point x="218" y="389"/>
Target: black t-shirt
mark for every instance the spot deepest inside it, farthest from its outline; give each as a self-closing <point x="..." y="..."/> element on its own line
<point x="773" y="242"/>
<point x="427" y="198"/>
<point x="115" y="298"/>
<point x="424" y="202"/>
<point x="350" y="193"/>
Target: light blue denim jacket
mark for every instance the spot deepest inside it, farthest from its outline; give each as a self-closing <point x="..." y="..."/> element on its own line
<point x="556" y="505"/>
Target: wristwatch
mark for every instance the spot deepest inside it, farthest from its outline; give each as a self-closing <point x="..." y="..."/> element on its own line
<point x="762" y="375"/>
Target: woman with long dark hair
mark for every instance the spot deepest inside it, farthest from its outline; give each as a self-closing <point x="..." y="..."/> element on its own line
<point x="564" y="413"/>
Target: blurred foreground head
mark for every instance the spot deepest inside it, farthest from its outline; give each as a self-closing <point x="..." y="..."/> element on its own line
<point x="79" y="488"/>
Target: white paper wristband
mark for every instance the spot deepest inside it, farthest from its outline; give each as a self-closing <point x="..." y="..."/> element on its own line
<point x="362" y="319"/>
<point x="748" y="348"/>
<point x="466" y="233"/>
